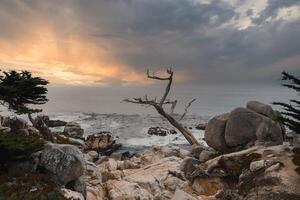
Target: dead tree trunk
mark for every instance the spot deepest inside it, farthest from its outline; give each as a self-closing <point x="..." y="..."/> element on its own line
<point x="159" y="107"/>
<point x="40" y="125"/>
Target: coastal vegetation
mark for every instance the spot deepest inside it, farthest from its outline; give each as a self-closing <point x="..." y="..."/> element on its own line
<point x="19" y="90"/>
<point x="291" y="114"/>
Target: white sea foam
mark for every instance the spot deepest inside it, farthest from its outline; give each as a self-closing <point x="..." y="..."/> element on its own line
<point x="131" y="130"/>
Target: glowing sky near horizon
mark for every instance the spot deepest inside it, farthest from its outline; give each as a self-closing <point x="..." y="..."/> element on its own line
<point x="74" y="42"/>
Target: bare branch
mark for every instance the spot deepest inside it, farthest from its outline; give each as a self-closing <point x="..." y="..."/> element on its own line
<point x="186" y="109"/>
<point x="169" y="71"/>
<point x="167" y="90"/>
<point x="159" y="107"/>
<point x="156" y="77"/>
<point x="173" y="107"/>
<point x="140" y="101"/>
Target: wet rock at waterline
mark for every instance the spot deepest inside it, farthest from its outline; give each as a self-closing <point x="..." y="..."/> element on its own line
<point x="73" y="129"/>
<point x="102" y="142"/>
<point x="159" y="131"/>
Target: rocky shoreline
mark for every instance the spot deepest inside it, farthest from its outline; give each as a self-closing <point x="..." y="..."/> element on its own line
<point x="248" y="156"/>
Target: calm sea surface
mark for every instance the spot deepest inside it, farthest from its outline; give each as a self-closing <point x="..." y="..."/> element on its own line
<point x="211" y="100"/>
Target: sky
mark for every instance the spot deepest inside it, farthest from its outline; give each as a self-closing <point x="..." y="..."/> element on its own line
<point x="113" y="42"/>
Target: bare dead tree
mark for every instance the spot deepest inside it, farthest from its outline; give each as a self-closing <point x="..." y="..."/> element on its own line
<point x="186" y="110"/>
<point x="44" y="130"/>
<point x="158" y="105"/>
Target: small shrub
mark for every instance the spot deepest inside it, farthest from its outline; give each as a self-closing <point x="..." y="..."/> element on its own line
<point x="14" y="147"/>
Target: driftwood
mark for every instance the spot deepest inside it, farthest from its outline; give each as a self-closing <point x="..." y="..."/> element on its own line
<point x="158" y="105"/>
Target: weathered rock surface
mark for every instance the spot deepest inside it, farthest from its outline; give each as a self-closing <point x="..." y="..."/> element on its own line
<point x="207" y="186"/>
<point x="262" y="109"/>
<point x="207" y="154"/>
<point x="73" y="129"/>
<point x="243" y="124"/>
<point x="63" y="139"/>
<point x="181" y="195"/>
<point x="71" y="195"/>
<point x="148" y="181"/>
<point x="215" y="132"/>
<point x="188" y="166"/>
<point x="241" y="127"/>
<point x="201" y="126"/>
<point x="15" y="123"/>
<point x="244" y="127"/>
<point x="102" y="142"/>
<point x="118" y="190"/>
<point x="269" y="132"/>
<point x="65" y="162"/>
<point x="196" y="150"/>
<point x="256" y="173"/>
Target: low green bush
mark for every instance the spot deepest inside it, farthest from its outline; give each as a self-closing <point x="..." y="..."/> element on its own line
<point x="15" y="147"/>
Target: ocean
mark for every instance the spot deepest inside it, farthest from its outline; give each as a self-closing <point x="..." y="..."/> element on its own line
<point x="101" y="108"/>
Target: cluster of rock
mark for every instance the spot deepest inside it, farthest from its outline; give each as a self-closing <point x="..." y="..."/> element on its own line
<point x="18" y="126"/>
<point x="103" y="142"/>
<point x="160" y="131"/>
<point x="256" y="164"/>
<point x="152" y="174"/>
<point x="255" y="173"/>
<point x="201" y="173"/>
<point x="244" y="127"/>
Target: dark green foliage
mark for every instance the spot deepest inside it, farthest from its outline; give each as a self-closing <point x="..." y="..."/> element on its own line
<point x="14" y="147"/>
<point x="291" y="114"/>
<point x="19" y="90"/>
<point x="20" y="187"/>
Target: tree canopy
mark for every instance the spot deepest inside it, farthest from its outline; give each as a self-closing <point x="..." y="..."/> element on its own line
<point x="19" y="90"/>
<point x="291" y="114"/>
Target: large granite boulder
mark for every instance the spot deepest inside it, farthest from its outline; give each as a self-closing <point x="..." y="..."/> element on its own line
<point x="269" y="132"/>
<point x="73" y="129"/>
<point x="262" y="109"/>
<point x="242" y="125"/>
<point x="214" y="132"/>
<point x="65" y="162"/>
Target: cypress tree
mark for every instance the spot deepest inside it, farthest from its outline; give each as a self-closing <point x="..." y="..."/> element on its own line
<point x="19" y="90"/>
<point x="291" y="114"/>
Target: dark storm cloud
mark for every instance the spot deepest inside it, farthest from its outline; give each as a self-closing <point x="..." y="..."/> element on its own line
<point x="192" y="37"/>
